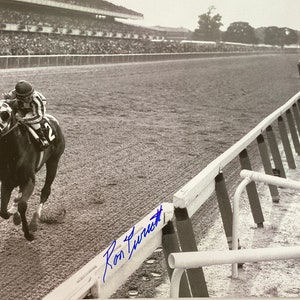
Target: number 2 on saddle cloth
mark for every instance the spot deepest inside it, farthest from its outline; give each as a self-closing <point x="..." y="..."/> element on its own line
<point x="48" y="130"/>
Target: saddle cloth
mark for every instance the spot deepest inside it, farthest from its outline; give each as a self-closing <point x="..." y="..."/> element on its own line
<point x="47" y="127"/>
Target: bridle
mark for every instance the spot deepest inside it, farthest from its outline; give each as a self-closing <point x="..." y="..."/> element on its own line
<point x="2" y="134"/>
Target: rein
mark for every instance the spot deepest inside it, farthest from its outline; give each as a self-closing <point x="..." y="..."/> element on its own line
<point x="9" y="130"/>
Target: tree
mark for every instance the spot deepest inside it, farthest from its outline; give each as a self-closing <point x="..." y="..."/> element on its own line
<point x="240" y="32"/>
<point x="289" y="36"/>
<point x="209" y="26"/>
<point x="273" y="36"/>
<point x="280" y="36"/>
<point x="260" y="34"/>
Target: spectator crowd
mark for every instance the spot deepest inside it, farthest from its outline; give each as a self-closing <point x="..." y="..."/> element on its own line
<point x="68" y="34"/>
<point x="36" y="44"/>
<point x="23" y="42"/>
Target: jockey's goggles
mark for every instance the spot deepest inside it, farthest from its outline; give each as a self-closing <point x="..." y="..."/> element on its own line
<point x="26" y="99"/>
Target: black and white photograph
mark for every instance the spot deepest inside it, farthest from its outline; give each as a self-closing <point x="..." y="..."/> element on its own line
<point x="149" y="149"/>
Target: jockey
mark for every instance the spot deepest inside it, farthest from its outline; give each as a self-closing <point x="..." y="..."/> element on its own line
<point x="31" y="107"/>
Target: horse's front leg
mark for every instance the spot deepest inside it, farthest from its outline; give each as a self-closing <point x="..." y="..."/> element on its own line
<point x="14" y="210"/>
<point x="6" y="191"/>
<point x="26" y="191"/>
<point x="36" y="217"/>
<point x="51" y="169"/>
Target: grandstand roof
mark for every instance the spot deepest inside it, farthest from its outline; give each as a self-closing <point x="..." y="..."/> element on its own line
<point x="99" y="7"/>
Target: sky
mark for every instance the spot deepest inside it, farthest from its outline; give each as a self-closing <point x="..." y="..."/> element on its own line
<point x="185" y="13"/>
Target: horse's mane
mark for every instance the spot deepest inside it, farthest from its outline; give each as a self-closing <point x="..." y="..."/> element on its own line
<point x="23" y="128"/>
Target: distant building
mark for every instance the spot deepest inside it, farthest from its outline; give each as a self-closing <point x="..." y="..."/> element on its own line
<point x="176" y="34"/>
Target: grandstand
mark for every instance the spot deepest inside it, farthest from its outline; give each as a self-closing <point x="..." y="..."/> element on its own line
<point x="61" y="21"/>
<point x="61" y="15"/>
<point x="51" y="27"/>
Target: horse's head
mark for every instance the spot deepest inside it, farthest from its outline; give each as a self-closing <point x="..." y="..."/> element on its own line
<point x="6" y="117"/>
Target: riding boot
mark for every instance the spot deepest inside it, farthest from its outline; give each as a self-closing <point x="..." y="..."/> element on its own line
<point x="43" y="140"/>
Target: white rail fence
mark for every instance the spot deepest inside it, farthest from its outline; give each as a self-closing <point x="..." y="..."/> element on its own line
<point x="211" y="180"/>
<point x="170" y="226"/>
<point x="29" y="61"/>
<point x="198" y="189"/>
<point x="105" y="273"/>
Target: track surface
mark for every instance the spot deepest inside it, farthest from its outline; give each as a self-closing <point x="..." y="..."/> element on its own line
<point x="135" y="134"/>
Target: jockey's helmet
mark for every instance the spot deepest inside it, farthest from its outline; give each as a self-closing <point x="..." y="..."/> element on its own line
<point x="24" y="90"/>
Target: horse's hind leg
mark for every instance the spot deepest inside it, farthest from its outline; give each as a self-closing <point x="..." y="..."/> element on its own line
<point x="51" y="166"/>
<point x="51" y="170"/>
<point x="22" y="207"/>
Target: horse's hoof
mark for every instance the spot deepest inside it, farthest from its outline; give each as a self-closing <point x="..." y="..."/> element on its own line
<point x="29" y="236"/>
<point x="17" y="218"/>
<point x="33" y="226"/>
<point x="5" y="215"/>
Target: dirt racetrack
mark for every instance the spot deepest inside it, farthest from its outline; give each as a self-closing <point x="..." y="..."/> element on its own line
<point x="135" y="133"/>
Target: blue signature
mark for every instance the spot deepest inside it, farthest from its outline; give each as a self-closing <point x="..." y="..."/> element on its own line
<point x="113" y="258"/>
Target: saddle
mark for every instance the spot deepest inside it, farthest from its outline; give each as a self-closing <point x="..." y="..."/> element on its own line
<point x="48" y="129"/>
<point x="49" y="132"/>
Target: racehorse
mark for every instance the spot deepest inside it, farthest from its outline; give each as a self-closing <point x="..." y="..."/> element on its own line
<point x="20" y="160"/>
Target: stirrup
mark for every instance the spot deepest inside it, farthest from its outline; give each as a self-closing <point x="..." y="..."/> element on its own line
<point x="44" y="143"/>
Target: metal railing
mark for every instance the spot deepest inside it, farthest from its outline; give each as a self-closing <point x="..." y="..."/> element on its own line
<point x="257" y="177"/>
<point x="191" y="260"/>
<point x="196" y="259"/>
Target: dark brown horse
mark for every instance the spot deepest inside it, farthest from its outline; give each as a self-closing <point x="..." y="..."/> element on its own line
<point x="20" y="159"/>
